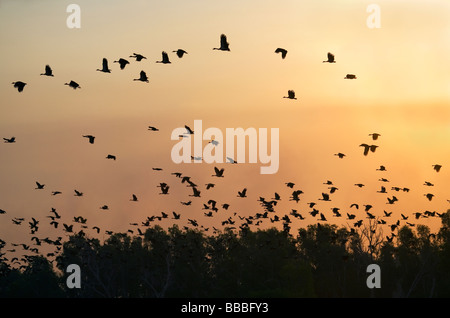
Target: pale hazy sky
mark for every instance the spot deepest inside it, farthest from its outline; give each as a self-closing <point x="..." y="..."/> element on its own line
<point x="402" y="91"/>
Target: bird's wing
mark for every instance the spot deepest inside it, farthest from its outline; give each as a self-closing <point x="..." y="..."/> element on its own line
<point x="105" y="63"/>
<point x="223" y="40"/>
<point x="188" y="129"/>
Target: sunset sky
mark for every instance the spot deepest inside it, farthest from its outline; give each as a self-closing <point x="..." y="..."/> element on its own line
<point x="402" y="91"/>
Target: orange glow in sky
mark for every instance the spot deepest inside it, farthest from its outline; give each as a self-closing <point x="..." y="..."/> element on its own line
<point x="402" y="91"/>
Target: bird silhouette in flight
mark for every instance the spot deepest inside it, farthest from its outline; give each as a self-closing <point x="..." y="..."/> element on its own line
<point x="370" y="215"/>
<point x="104" y="207"/>
<point x="243" y="193"/>
<point x="105" y="68"/>
<point x="153" y="128"/>
<point x="224" y="45"/>
<point x="9" y="140"/>
<point x="291" y="94"/>
<point x="383" y="190"/>
<point x="429" y="184"/>
<point x="193" y="222"/>
<point x="165" y="58"/>
<point x="350" y="216"/>
<point x="392" y="200"/>
<point x="214" y="142"/>
<point x="336" y="212"/>
<point x="122" y="63"/>
<point x="330" y="58"/>
<point x="39" y="186"/>
<point x="333" y="189"/>
<point x="375" y="136"/>
<point x="184" y="179"/>
<point x="48" y="71"/>
<point x="19" y="85"/>
<point x="189" y="130"/>
<point x="73" y="84"/>
<point x="180" y="53"/>
<point x="429" y="196"/>
<point x="350" y="76"/>
<point x="195" y="192"/>
<point x="218" y="172"/>
<point x="90" y="137"/>
<point x="231" y="160"/>
<point x="56" y="192"/>
<point x="57" y="216"/>
<point x="134" y="198"/>
<point x="387" y="214"/>
<point x="164" y="188"/>
<point x="68" y="228"/>
<point x="340" y="155"/>
<point x="78" y="193"/>
<point x="138" y="57"/>
<point x="79" y="219"/>
<point x="417" y="215"/>
<point x="395" y="225"/>
<point x="325" y="197"/>
<point x="382" y="168"/>
<point x="176" y="216"/>
<point x="437" y="168"/>
<point x="208" y="214"/>
<point x="367" y="147"/>
<point x="111" y="157"/>
<point x="282" y="51"/>
<point x="142" y="77"/>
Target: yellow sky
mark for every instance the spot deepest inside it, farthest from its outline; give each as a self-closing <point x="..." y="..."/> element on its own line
<point x="402" y="91"/>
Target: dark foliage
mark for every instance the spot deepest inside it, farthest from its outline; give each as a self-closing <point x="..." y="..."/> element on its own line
<point x="321" y="261"/>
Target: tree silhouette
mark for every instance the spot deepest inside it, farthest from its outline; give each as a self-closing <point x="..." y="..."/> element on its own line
<point x="322" y="260"/>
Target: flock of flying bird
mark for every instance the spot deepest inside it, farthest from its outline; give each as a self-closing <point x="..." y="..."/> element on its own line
<point x="224" y="46"/>
<point x="211" y="207"/>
